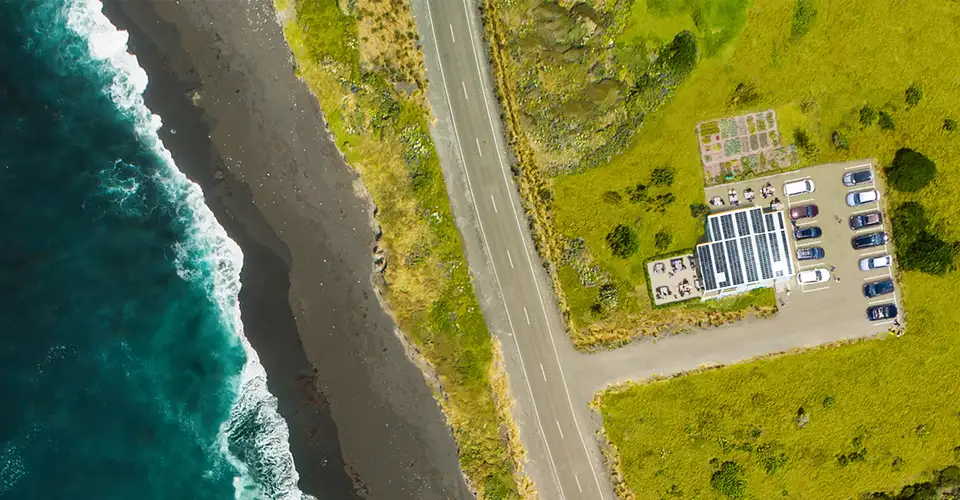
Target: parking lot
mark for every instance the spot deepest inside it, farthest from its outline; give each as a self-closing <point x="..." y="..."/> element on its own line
<point x="839" y="304"/>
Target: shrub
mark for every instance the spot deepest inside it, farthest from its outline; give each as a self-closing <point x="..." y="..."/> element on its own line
<point x="743" y="96"/>
<point x="662" y="201"/>
<point x="698" y="210"/>
<point x="949" y="124"/>
<point x="804" y="15"/>
<point x="680" y="56"/>
<point x="910" y="171"/>
<point x="839" y="141"/>
<point x="638" y="193"/>
<point x="829" y="402"/>
<point x="623" y="241"/>
<point x="662" y="239"/>
<point x="868" y="115"/>
<point x="913" y="95"/>
<point x="608" y="298"/>
<point x="805" y="144"/>
<point x="662" y="176"/>
<point x="729" y="480"/>
<point x="612" y="197"/>
<point x="885" y="121"/>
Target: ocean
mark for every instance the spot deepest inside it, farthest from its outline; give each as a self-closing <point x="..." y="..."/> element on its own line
<point x="123" y="366"/>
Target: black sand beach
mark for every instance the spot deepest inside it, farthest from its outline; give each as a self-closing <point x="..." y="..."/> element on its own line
<point x="362" y="420"/>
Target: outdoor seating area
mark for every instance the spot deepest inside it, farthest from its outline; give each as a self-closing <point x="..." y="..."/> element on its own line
<point x="721" y="197"/>
<point x="674" y="279"/>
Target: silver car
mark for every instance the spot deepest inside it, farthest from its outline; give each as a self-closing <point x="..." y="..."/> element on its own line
<point x="869" y="263"/>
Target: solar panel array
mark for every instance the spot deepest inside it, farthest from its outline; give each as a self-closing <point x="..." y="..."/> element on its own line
<point x="744" y="249"/>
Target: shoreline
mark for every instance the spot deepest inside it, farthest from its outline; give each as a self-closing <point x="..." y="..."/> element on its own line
<point x="362" y="420"/>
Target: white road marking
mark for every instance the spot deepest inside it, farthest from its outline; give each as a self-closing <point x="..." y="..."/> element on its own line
<point x="859" y="166"/>
<point x="867" y="229"/>
<point x="883" y="322"/>
<point x="510" y="259"/>
<point x="559" y="429"/>
<point x="464" y="85"/>
<point x="804" y="243"/>
<point x="808" y="266"/>
<point x="578" y="483"/>
<point x="536" y="283"/>
<point x="805" y="221"/>
<point x="486" y="244"/>
<point x="543" y="372"/>
<point x="864" y="211"/>
<point x="494" y="204"/>
<point x="454" y="37"/>
<point x="872" y="302"/>
<point x="877" y="277"/>
<point x="873" y="253"/>
<point x="815" y="290"/>
<point x="478" y="146"/>
<point x="526" y="315"/>
<point x="801" y="201"/>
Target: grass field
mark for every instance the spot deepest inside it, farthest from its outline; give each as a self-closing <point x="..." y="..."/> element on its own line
<point x="895" y="400"/>
<point x="366" y="70"/>
<point x="849" y="58"/>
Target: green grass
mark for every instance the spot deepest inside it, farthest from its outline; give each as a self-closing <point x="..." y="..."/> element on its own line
<point x="847" y="59"/>
<point x="895" y="398"/>
<point x="384" y="135"/>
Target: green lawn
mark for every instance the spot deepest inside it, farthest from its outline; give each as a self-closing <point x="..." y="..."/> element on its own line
<point x="850" y="57"/>
<point x="898" y="399"/>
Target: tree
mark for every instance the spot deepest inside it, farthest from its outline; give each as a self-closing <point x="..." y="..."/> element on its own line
<point x="662" y="239"/>
<point x="913" y="95"/>
<point x="729" y="480"/>
<point x="680" y="55"/>
<point x="868" y="115"/>
<point x="910" y="171"/>
<point x="885" y="120"/>
<point x="909" y="220"/>
<point x="623" y="241"/>
<point x="662" y="176"/>
<point x="929" y="254"/>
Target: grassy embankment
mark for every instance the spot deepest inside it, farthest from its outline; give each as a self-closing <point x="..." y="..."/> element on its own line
<point x="576" y="82"/>
<point x="833" y="422"/>
<point x="366" y="71"/>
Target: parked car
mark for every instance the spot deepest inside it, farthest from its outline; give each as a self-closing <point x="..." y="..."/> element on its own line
<point x="803" y="212"/>
<point x="883" y="311"/>
<point x="807" y="233"/>
<point x="810" y="253"/>
<point x="861" y="221"/>
<point x="813" y="276"/>
<point x="869" y="240"/>
<point x="858" y="198"/>
<point x="798" y="187"/>
<point x="857" y="177"/>
<point x="869" y="263"/>
<point x="882" y="287"/>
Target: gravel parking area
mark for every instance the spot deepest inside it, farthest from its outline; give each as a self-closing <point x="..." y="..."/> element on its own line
<point x="838" y="305"/>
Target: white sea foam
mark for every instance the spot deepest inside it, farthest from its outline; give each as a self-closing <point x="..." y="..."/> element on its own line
<point x="206" y="256"/>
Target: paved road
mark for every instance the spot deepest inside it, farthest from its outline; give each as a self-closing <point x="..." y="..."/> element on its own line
<point x="564" y="460"/>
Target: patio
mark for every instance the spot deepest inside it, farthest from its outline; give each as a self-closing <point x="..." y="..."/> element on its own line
<point x="674" y="279"/>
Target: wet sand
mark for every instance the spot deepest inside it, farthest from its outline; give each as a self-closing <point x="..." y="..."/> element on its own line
<point x="363" y="422"/>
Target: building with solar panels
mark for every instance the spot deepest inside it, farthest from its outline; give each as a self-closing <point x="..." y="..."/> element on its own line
<point x="746" y="248"/>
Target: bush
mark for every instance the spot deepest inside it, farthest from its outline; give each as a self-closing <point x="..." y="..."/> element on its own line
<point x="805" y="144"/>
<point x="680" y="56"/>
<point x="910" y="171"/>
<point x="913" y="95"/>
<point x="885" y="121"/>
<point x="698" y="210"/>
<point x="608" y="298"/>
<point x="868" y="115"/>
<point x="744" y="95"/>
<point x="662" y="176"/>
<point x="729" y="480"/>
<point x="623" y="241"/>
<point x="611" y="197"/>
<point x="804" y="15"/>
<point x="638" y="193"/>
<point x="839" y="141"/>
<point x="662" y="239"/>
<point x="829" y="402"/>
<point x="949" y="124"/>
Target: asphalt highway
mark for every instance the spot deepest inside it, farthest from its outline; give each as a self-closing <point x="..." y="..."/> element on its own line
<point x="564" y="459"/>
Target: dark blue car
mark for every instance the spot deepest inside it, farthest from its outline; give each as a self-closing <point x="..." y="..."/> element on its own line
<point x="883" y="311"/>
<point x="869" y="240"/>
<point x="877" y="288"/>
<point x="807" y="233"/>
<point x="810" y="253"/>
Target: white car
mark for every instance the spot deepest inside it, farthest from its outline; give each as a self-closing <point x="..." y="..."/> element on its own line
<point x="857" y="198"/>
<point x="798" y="187"/>
<point x="875" y="262"/>
<point x="813" y="276"/>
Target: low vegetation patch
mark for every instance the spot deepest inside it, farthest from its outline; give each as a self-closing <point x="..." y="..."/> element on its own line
<point x="364" y="66"/>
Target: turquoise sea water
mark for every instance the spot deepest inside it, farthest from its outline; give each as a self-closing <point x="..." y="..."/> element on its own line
<point x="123" y="368"/>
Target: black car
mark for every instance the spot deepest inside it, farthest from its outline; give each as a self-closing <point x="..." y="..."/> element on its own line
<point x="869" y="240"/>
<point x="876" y="288"/>
<point x="883" y="311"/>
<point x="865" y="220"/>
<point x="807" y="233"/>
<point x="810" y="253"/>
